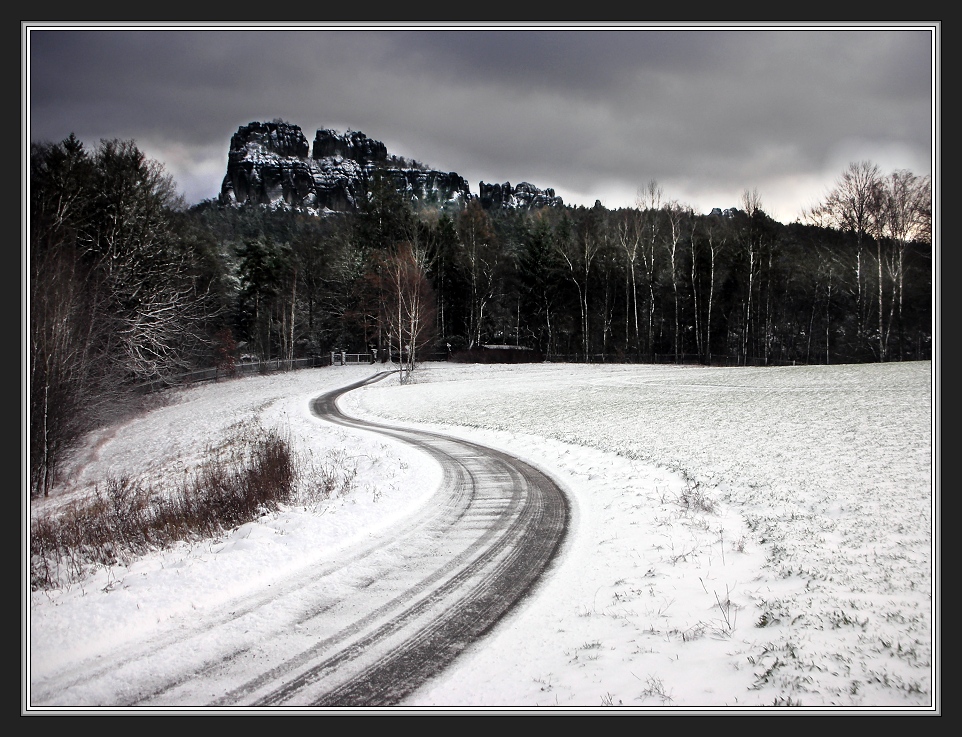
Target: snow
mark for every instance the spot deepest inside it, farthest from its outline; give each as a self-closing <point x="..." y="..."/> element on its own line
<point x="740" y="539"/>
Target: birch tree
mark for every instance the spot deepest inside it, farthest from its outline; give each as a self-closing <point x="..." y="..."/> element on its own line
<point x="907" y="218"/>
<point x="677" y="217"/>
<point x="579" y="253"/>
<point x="708" y="237"/>
<point x="629" y="233"/>
<point x="481" y="260"/>
<point x="649" y="201"/>
<point x="408" y="306"/>
<point x="853" y="205"/>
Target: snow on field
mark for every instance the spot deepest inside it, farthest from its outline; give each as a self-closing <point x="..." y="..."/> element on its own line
<point x="741" y="538"/>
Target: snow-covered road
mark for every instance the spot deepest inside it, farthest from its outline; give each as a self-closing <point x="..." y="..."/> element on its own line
<point x="370" y="628"/>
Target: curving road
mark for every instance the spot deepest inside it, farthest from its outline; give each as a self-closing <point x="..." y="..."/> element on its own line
<point x="390" y="615"/>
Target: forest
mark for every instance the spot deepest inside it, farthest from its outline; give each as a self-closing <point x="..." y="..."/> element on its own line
<point x="131" y="287"/>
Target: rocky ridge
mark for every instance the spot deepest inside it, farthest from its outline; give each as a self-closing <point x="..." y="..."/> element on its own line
<point x="522" y="195"/>
<point x="273" y="165"/>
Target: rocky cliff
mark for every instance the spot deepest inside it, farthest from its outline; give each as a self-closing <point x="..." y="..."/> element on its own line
<point x="273" y="165"/>
<point x="522" y="195"/>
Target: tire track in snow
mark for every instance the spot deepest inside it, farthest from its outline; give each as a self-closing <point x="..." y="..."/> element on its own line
<point x="373" y="628"/>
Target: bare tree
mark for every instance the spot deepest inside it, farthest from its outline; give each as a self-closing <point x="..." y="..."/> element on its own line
<point x="629" y="238"/>
<point x="751" y="202"/>
<point x="579" y="254"/>
<point x="707" y="236"/>
<point x="115" y="301"/>
<point x="854" y="205"/>
<point x="677" y="216"/>
<point x="481" y="259"/>
<point x="67" y="381"/>
<point x="408" y="306"/>
<point x="649" y="202"/>
<point x="907" y="218"/>
<point x="719" y="238"/>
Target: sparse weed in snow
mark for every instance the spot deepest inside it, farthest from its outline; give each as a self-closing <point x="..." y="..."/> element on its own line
<point x="609" y="700"/>
<point x="655" y="689"/>
<point x="729" y="612"/>
<point x="545" y="682"/>
<point x="694" y="498"/>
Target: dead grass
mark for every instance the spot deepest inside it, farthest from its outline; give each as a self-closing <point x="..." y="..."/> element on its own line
<point x="245" y="478"/>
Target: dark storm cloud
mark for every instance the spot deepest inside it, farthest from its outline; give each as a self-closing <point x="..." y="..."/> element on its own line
<point x="593" y="113"/>
<point x="582" y="62"/>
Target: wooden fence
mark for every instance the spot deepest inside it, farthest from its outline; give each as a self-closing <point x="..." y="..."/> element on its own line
<point x="342" y="358"/>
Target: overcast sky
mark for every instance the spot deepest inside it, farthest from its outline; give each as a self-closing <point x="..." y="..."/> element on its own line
<point x="595" y="112"/>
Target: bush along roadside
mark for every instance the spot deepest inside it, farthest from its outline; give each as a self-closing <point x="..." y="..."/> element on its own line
<point x="248" y="477"/>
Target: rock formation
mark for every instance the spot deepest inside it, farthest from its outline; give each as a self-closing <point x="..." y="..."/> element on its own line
<point x="272" y="165"/>
<point x="523" y="195"/>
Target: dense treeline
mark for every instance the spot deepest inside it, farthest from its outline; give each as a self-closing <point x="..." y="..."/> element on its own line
<point x="130" y="286"/>
<point x="121" y="290"/>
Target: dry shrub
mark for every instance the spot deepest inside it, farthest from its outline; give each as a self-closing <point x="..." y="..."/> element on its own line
<point x="250" y="476"/>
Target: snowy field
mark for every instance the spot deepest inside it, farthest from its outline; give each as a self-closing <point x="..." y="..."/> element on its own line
<point x="757" y="539"/>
